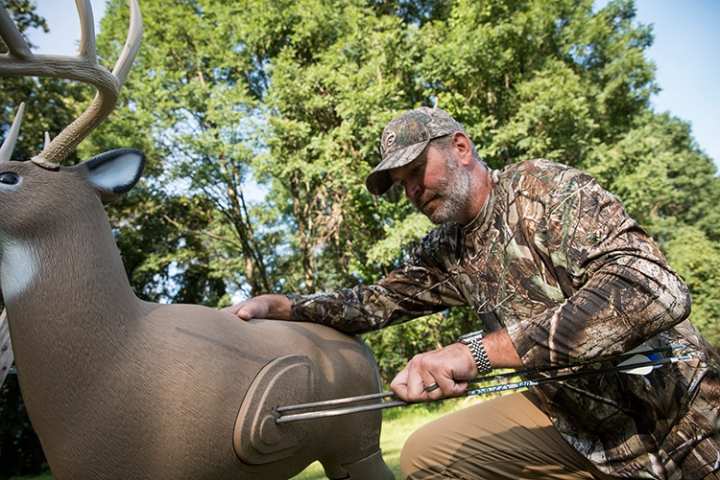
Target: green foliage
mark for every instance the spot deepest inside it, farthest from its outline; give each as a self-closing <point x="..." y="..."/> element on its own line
<point x="394" y="346"/>
<point x="538" y="78"/>
<point x="333" y="84"/>
<point x="697" y="259"/>
<point x="410" y="229"/>
<point x="191" y="103"/>
<point x="663" y="178"/>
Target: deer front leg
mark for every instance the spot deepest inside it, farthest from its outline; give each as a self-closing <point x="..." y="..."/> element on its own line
<point x="372" y="467"/>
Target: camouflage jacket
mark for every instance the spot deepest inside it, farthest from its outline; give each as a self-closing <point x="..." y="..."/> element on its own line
<point x="555" y="260"/>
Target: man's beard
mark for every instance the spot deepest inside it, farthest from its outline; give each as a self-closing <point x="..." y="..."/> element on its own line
<point x="454" y="196"/>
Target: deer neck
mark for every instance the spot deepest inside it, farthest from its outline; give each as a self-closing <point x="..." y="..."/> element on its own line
<point x="66" y="284"/>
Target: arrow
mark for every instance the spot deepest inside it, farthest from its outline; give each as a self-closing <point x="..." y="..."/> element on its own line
<point x="634" y="364"/>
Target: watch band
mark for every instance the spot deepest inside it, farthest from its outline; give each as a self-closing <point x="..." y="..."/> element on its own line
<point x="474" y="342"/>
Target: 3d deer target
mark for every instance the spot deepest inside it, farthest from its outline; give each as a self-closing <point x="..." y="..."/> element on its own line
<point x="119" y="388"/>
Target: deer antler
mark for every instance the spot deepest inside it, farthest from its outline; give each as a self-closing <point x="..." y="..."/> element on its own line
<point x="20" y="61"/>
<point x="8" y="145"/>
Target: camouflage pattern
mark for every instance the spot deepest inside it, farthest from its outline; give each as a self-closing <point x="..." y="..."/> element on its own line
<point x="404" y="139"/>
<point x="555" y="260"/>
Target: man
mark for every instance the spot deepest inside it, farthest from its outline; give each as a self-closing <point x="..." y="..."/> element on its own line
<point x="557" y="273"/>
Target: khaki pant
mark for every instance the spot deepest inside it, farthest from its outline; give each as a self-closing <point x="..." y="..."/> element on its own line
<point x="503" y="438"/>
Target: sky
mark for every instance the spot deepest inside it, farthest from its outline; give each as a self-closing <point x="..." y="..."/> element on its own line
<point x="686" y="53"/>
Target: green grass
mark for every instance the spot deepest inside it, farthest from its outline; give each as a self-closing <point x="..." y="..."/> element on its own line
<point x="44" y="476"/>
<point x="397" y="426"/>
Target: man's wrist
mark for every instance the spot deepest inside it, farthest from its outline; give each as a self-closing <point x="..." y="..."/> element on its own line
<point x="474" y="343"/>
<point x="280" y="307"/>
<point x="469" y="361"/>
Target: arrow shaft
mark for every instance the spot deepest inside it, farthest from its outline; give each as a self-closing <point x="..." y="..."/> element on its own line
<point x="282" y="417"/>
<point x="485" y="379"/>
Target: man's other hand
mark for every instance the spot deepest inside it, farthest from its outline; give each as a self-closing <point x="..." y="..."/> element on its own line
<point x="449" y="368"/>
<point x="276" y="307"/>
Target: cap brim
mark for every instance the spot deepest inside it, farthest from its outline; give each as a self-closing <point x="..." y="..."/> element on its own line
<point x="379" y="181"/>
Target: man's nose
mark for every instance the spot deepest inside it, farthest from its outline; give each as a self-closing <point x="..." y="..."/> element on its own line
<point x="412" y="190"/>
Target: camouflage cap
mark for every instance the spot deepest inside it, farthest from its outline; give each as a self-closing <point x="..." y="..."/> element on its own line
<point x="404" y="139"/>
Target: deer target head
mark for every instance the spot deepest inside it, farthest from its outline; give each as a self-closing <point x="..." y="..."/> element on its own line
<point x="39" y="202"/>
<point x="35" y="198"/>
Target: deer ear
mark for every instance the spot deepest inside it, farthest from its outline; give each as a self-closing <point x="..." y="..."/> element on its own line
<point x="114" y="172"/>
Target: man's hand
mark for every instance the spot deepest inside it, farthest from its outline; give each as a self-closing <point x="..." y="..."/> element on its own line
<point x="450" y="368"/>
<point x="275" y="307"/>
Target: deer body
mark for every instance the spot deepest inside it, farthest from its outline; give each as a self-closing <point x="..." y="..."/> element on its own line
<point x="121" y="388"/>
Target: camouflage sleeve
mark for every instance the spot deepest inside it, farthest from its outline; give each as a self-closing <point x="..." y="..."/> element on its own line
<point x="619" y="289"/>
<point x="421" y="287"/>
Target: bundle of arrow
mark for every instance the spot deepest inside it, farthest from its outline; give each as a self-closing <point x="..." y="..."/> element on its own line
<point x="635" y="362"/>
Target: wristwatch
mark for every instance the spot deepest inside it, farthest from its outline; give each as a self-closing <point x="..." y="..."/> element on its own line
<point x="474" y="342"/>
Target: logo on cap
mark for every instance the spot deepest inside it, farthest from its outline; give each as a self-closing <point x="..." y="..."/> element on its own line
<point x="389" y="140"/>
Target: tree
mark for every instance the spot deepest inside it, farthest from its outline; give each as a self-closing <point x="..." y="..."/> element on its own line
<point x="189" y="103"/>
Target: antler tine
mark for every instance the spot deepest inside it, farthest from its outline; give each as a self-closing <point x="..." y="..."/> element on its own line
<point x="132" y="44"/>
<point x="87" y="30"/>
<point x="6" y="150"/>
<point x="17" y="46"/>
<point x="85" y="68"/>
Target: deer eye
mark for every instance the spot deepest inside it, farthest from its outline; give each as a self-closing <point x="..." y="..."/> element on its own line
<point x="9" y="178"/>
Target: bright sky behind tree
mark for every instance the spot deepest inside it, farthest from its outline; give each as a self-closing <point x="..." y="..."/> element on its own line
<point x="686" y="52"/>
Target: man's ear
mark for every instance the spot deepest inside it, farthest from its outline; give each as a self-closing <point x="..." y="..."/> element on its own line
<point x="115" y="172"/>
<point x="463" y="147"/>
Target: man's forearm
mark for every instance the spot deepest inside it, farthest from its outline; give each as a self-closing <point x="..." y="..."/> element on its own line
<point x="500" y="350"/>
<point x="280" y="307"/>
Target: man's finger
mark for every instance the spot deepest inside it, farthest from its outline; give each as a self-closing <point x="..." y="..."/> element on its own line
<point x="399" y="384"/>
<point x="416" y="382"/>
<point x="446" y="383"/>
<point x="429" y="391"/>
<point x="459" y="389"/>
<point x="237" y="311"/>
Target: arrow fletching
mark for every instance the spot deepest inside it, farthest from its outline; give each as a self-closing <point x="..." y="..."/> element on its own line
<point x="634" y="360"/>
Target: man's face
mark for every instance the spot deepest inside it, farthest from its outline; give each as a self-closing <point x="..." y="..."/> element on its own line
<point x="436" y="184"/>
